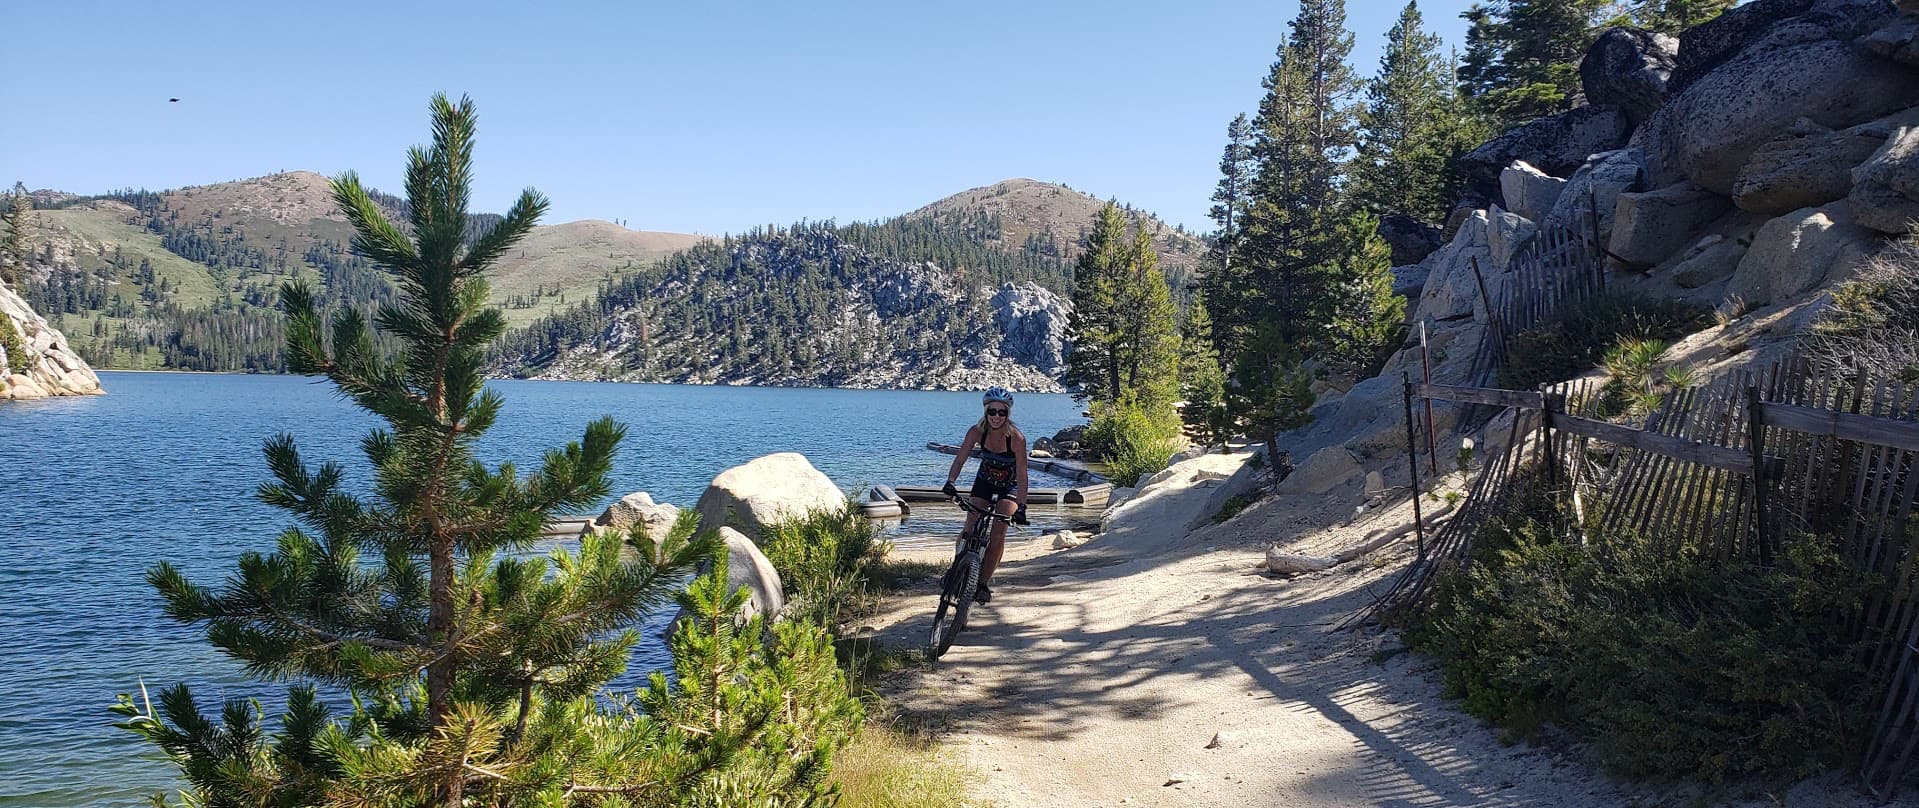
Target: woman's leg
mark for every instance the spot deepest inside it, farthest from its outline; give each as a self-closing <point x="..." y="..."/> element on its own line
<point x="959" y="542"/>
<point x="998" y="547"/>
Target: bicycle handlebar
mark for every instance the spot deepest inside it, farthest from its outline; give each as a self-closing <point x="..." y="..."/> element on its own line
<point x="966" y="504"/>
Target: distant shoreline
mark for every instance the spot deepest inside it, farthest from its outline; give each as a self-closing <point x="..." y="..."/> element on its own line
<point x="606" y="381"/>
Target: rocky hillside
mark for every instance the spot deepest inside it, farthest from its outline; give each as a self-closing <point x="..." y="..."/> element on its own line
<point x="186" y="278"/>
<point x="809" y="306"/>
<point x="1750" y="165"/>
<point x="35" y="361"/>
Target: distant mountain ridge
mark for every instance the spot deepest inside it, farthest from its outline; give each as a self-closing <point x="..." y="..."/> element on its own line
<point x="187" y="278"/>
<point x="1035" y="212"/>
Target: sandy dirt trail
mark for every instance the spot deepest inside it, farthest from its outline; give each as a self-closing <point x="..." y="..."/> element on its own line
<point x="1157" y="667"/>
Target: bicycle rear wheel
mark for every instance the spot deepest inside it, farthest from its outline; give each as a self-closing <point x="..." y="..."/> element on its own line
<point x="956" y="598"/>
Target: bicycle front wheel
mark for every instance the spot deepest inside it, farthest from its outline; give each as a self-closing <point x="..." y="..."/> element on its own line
<point x="956" y="598"/>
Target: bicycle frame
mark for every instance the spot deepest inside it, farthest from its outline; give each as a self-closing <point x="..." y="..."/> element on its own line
<point x="956" y="593"/>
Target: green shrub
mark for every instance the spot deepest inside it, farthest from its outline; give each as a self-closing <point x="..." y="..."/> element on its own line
<point x="1134" y="441"/>
<point x="1576" y="342"/>
<point x="822" y="560"/>
<point x="1234" y="505"/>
<point x="16" y="347"/>
<point x="1873" y="322"/>
<point x="1673" y="667"/>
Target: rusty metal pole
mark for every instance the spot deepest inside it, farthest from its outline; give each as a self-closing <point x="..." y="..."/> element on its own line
<point x="1412" y="460"/>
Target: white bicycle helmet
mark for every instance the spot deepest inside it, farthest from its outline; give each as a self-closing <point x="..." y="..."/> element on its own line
<point x="996" y="393"/>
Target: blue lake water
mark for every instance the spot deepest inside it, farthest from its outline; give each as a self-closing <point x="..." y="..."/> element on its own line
<point x="93" y="491"/>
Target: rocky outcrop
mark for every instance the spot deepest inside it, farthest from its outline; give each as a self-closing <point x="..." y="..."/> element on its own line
<point x="1328" y="469"/>
<point x="1555" y="144"/>
<point x="1506" y="234"/>
<point x="1709" y="259"/>
<point x="1450" y="291"/>
<point x="1801" y="250"/>
<point x="1032" y="326"/>
<point x="1709" y="44"/>
<point x="765" y="490"/>
<point x="1897" y="40"/>
<point x="1628" y="68"/>
<point x="1598" y="184"/>
<point x="1803" y="66"/>
<point x="1652" y="225"/>
<point x="1885" y="192"/>
<point x="1528" y="191"/>
<point x="1411" y="239"/>
<point x="35" y="358"/>
<point x="1810" y="165"/>
<point x="725" y="313"/>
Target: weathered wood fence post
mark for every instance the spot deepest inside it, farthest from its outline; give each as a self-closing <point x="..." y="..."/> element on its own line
<point x="1412" y="462"/>
<point x="1756" y="428"/>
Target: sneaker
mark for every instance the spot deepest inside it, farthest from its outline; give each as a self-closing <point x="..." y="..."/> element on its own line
<point x="983" y="594"/>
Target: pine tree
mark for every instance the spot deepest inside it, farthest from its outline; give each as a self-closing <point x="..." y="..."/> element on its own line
<point x="1396" y="168"/>
<point x="1522" y="56"/>
<point x="1093" y="363"/>
<point x="1367" y="317"/>
<point x="1202" y="380"/>
<point x="1149" y="329"/>
<point x="15" y="247"/>
<point x="453" y="650"/>
<point x="1674" y="16"/>
<point x="1278" y="301"/>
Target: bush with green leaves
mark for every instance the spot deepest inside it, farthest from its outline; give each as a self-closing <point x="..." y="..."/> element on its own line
<point x="1675" y="667"/>
<point x="1579" y="340"/>
<point x="822" y="559"/>
<point x="1133" y="440"/>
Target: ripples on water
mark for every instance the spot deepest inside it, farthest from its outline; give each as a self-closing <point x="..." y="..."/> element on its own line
<point x="96" y="490"/>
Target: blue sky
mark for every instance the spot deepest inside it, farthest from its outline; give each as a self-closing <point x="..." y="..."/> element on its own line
<point x="710" y="117"/>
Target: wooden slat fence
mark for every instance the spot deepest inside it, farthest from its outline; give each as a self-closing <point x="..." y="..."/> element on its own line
<point x="1725" y="472"/>
<point x="1562" y="266"/>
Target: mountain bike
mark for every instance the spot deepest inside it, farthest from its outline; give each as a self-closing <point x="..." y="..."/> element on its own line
<point x="962" y="579"/>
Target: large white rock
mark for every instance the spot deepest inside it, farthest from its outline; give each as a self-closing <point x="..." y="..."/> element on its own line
<point x="1528" y="191"/>
<point x="1651" y="226"/>
<point x="1507" y="234"/>
<point x="1885" y="191"/>
<point x="1450" y="291"/>
<point x="747" y="567"/>
<point x="769" y="489"/>
<point x="1800" y="250"/>
<point x="1328" y="469"/>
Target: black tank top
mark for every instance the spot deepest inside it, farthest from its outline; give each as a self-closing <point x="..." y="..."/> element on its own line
<point x="996" y="468"/>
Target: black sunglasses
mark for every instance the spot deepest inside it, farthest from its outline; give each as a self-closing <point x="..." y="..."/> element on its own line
<point x="998" y="412"/>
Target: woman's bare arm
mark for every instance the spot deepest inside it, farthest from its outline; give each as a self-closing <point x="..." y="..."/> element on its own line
<point x="965" y="452"/>
<point x="1019" y="466"/>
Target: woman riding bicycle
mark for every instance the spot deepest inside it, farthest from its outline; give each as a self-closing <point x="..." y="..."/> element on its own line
<point x="1002" y="471"/>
